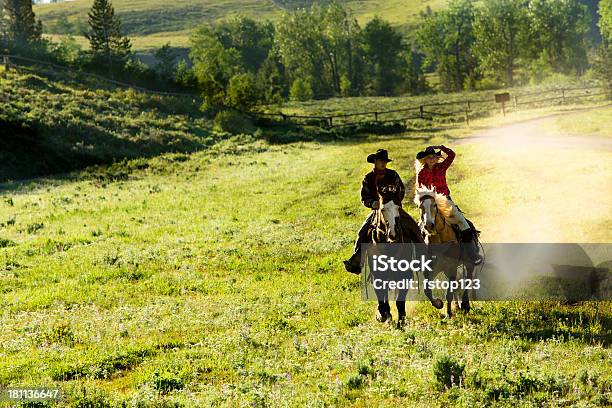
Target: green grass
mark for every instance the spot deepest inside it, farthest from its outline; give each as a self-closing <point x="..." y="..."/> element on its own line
<point x="152" y="23"/>
<point x="215" y="279"/>
<point x="595" y="123"/>
<point x="67" y="125"/>
<point x="338" y="106"/>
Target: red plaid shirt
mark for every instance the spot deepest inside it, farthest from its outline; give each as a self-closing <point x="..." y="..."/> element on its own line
<point x="436" y="177"/>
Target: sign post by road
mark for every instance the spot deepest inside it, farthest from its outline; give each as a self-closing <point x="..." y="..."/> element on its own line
<point x="503" y="98"/>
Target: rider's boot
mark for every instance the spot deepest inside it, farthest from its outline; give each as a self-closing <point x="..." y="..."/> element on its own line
<point x="353" y="264"/>
<point x="471" y="249"/>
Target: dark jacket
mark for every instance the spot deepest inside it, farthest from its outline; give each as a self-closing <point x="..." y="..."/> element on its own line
<point x="370" y="189"/>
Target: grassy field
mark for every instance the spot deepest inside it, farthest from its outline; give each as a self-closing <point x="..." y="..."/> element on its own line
<point x="214" y="278"/>
<point x="587" y="123"/>
<point x="152" y="23"/>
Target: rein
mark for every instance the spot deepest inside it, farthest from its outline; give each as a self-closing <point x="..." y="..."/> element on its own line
<point x="444" y="222"/>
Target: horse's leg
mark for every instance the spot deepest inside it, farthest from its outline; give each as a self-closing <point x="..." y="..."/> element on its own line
<point x="384" y="311"/>
<point x="437" y="303"/>
<point x="465" y="299"/>
<point x="451" y="295"/>
<point x="449" y="299"/>
<point x="401" y="313"/>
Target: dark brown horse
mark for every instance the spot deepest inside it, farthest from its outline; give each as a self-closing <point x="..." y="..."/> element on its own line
<point x="391" y="224"/>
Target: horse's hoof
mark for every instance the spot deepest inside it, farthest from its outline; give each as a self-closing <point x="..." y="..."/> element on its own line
<point x="401" y="322"/>
<point x="437" y="303"/>
<point x="465" y="308"/>
<point x="382" y="317"/>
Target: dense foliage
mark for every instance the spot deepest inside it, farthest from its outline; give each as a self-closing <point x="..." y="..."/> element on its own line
<point x="468" y="44"/>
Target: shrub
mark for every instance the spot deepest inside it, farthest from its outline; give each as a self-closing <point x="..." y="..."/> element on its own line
<point x="301" y="90"/>
<point x="354" y="382"/>
<point x="5" y="243"/>
<point x="233" y="122"/>
<point x="448" y="371"/>
<point x="166" y="382"/>
<point x="241" y="93"/>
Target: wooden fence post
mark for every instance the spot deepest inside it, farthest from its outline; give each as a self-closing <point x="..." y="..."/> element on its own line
<point x="467" y="113"/>
<point x="375" y="116"/>
<point x="7" y="63"/>
<point x="562" y="96"/>
<point x="331" y="124"/>
<point x="421" y="111"/>
<point x="515" y="102"/>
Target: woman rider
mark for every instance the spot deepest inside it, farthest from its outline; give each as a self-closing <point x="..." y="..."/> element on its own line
<point x="431" y="173"/>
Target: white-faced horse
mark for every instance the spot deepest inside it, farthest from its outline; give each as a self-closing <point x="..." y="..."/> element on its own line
<point x="437" y="217"/>
<point x="391" y="224"/>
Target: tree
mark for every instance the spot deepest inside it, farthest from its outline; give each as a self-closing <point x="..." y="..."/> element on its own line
<point x="214" y="66"/>
<point x="252" y="40"/>
<point x="185" y="76"/>
<point x="241" y="93"/>
<point x="20" y="24"/>
<point x="558" y="29"/>
<point x="301" y="90"/>
<point x="107" y="44"/>
<point x="447" y="39"/>
<point x="605" y="20"/>
<point x="383" y="52"/>
<point x="602" y="65"/>
<point x="320" y="42"/>
<point x="413" y="78"/>
<point x="271" y="79"/>
<point x="500" y="39"/>
<point x="166" y="58"/>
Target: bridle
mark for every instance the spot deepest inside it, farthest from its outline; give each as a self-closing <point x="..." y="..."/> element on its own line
<point x="382" y="221"/>
<point x="437" y="214"/>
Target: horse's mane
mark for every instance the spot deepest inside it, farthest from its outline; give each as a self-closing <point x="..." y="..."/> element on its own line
<point x="442" y="202"/>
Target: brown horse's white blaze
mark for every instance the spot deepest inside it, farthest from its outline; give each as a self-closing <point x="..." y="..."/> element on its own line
<point x="431" y="203"/>
<point x="428" y="217"/>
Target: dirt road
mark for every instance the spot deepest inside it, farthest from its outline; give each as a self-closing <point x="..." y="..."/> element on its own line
<point x="541" y="187"/>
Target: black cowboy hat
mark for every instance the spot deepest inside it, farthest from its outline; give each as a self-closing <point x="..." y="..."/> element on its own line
<point x="380" y="154"/>
<point x="429" y="151"/>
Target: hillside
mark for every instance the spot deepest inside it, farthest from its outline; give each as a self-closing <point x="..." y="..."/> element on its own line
<point x="153" y="22"/>
<point x="68" y="125"/>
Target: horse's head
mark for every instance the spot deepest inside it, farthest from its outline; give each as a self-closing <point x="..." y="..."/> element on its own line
<point x="426" y="200"/>
<point x="390" y="213"/>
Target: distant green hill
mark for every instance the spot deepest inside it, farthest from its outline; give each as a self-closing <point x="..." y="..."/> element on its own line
<point x="154" y="22"/>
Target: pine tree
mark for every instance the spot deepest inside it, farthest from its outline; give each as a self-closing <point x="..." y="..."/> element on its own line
<point x="20" y="25"/>
<point x="107" y="44"/>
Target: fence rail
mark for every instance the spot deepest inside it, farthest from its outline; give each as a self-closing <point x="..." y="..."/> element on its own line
<point x="427" y="113"/>
<point x="449" y="112"/>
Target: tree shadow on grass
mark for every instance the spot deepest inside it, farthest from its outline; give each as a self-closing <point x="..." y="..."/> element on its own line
<point x="51" y="155"/>
<point x="30" y="152"/>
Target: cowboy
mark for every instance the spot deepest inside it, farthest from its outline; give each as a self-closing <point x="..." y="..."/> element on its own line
<point x="431" y="173"/>
<point x="379" y="179"/>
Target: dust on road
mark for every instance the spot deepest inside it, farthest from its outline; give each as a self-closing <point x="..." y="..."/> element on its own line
<point x="538" y="187"/>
